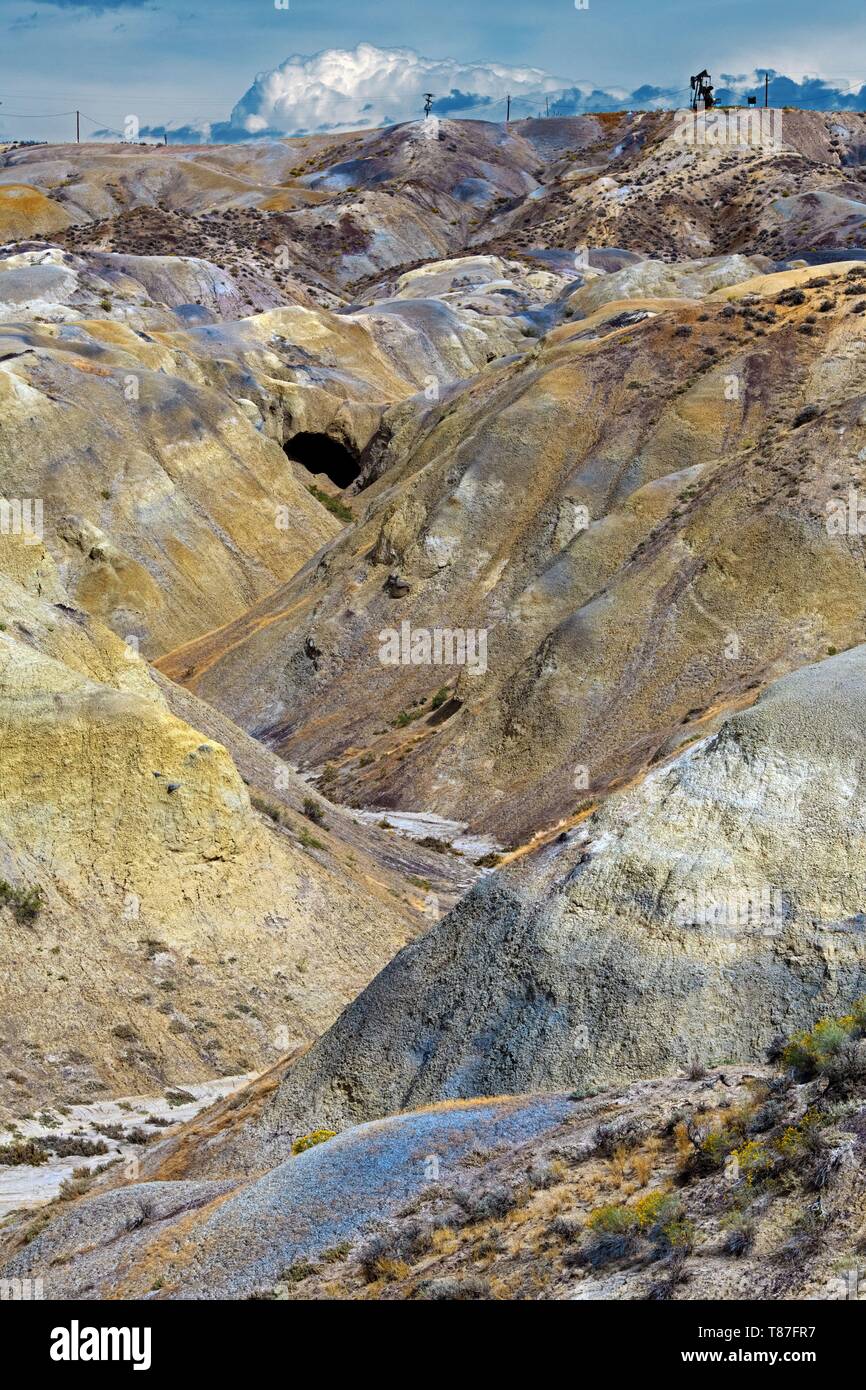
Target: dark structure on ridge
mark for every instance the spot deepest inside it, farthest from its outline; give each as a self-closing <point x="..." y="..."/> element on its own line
<point x="702" y="90"/>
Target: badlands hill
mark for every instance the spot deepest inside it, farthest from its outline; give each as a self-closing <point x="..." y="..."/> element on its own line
<point x="164" y="918"/>
<point x="651" y="483"/>
<point x="713" y="906"/>
<point x="609" y="428"/>
<point x="580" y="387"/>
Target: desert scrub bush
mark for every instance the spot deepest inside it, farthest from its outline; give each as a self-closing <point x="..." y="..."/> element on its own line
<point x="711" y="1141"/>
<point x="111" y="1131"/>
<point x="799" y="1139"/>
<point x="440" y="697"/>
<point x="268" y="807"/>
<point x="399" y="1248"/>
<point x="36" y="1227"/>
<point x="452" y="1289"/>
<point x="754" y="1163"/>
<point x="308" y="841"/>
<point x="768" y="1115"/>
<point x="332" y="504"/>
<point x="21" y="1152"/>
<point x="655" y="1206"/>
<point x="675" y="1266"/>
<point x="314" y="810"/>
<point x="643" y="1163"/>
<point x="619" y="1162"/>
<point x="830" y="1048"/>
<point x="614" y="1218"/>
<point x="73" y="1187"/>
<point x="808" y="1152"/>
<point x="179" y="1097"/>
<point x="612" y="1233"/>
<point x="493" y="1204"/>
<point x="302" y="1269"/>
<point x="26" y="903"/>
<point x="335" y="1253"/>
<point x="488" y="861"/>
<point x="543" y="1175"/>
<point x="662" y="1219"/>
<point x="826" y="1163"/>
<point x="125" y="1032"/>
<point x="624" y="1134"/>
<point x="739" y="1234"/>
<point x="407" y="716"/>
<point x="138" y="1136"/>
<point x="565" y="1228"/>
<point x="72" y="1146"/>
<point x="793" y="295"/>
<point x="805" y="1237"/>
<point x="707" y="1155"/>
<point x="440" y="846"/>
<point x="309" y="1141"/>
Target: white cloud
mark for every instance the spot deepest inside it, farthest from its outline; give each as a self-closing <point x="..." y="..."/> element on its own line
<point x="339" y="89"/>
<point x="369" y="86"/>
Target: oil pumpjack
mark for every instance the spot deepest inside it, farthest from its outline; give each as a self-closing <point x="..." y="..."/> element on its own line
<point x="702" y="90"/>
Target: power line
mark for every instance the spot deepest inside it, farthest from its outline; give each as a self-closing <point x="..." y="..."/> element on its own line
<point x="79" y="115"/>
<point x="45" y="116"/>
<point x="100" y="126"/>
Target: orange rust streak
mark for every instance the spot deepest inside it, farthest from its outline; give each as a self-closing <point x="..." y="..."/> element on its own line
<point x="168" y="663"/>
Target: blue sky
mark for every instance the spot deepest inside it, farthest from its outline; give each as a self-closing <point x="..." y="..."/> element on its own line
<point x="182" y="60"/>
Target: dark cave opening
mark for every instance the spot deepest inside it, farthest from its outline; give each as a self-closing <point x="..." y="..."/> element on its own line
<point x="320" y="454"/>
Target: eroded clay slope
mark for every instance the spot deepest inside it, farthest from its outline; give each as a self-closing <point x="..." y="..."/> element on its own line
<point x="156" y="926"/>
<point x="635" y="514"/>
<point x="717" y="903"/>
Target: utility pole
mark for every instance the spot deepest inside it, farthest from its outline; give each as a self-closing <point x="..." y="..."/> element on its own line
<point x="78" y="127"/>
<point x="547" y="106"/>
<point x="508" y="108"/>
<point x="766" y="90"/>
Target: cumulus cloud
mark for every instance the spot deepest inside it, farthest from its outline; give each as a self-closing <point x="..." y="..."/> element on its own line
<point x="341" y="89"/>
<point x="814" y="93"/>
<point x="367" y="86"/>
